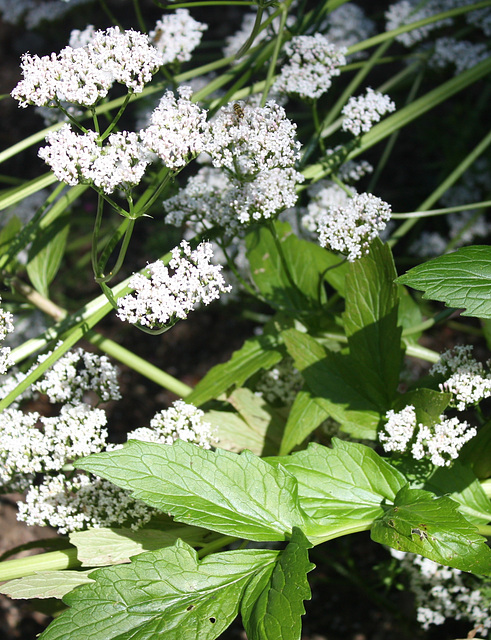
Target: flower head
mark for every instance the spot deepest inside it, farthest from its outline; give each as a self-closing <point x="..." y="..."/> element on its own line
<point x="360" y="113"/>
<point x="172" y="292"/>
<point x="176" y="36"/>
<point x="351" y="227"/>
<point x="312" y="62"/>
<point x="178" y="130"/>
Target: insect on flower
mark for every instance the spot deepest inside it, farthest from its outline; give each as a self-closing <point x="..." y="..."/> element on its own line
<point x="238" y="110"/>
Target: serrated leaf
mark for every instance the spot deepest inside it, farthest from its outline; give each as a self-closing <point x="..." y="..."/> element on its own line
<point x="433" y="527"/>
<point x="461" y="279"/>
<point x="103" y="546"/>
<point x="45" y="584"/>
<point x="460" y="483"/>
<point x="46" y="253"/>
<point x="162" y="594"/>
<point x="370" y="321"/>
<point x="350" y="480"/>
<point x="273" y="604"/>
<point x="256" y="353"/>
<point x="237" y="495"/>
<point x="233" y="433"/>
<point x="305" y="416"/>
<point x="331" y="378"/>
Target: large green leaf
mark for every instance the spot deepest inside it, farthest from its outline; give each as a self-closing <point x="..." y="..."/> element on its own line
<point x="162" y="594"/>
<point x="433" y="527"/>
<point x="370" y="321"/>
<point x="460" y="483"/>
<point x="428" y="404"/>
<point x="46" y="253"/>
<point x="305" y="416"/>
<point x="332" y="379"/>
<point x="478" y="452"/>
<point x="261" y="352"/>
<point x="349" y="480"/>
<point x="273" y="602"/>
<point x="308" y="264"/>
<point x="461" y="279"/>
<point x="238" y="495"/>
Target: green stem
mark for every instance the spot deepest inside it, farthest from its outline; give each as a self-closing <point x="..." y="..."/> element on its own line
<point x="440" y="212"/>
<point x="272" y="229"/>
<point x="150" y="195"/>
<point x="139" y="16"/>
<point x="138" y="364"/>
<point x="215" y="545"/>
<point x="427" y="324"/>
<point x="484" y="530"/>
<point x="276" y="53"/>
<point x="122" y="253"/>
<point x="52" y="561"/>
<point x="95" y="235"/>
<point x="315" y="533"/>
<point x="116" y="117"/>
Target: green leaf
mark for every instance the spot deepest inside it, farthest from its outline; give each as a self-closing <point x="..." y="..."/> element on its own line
<point x="305" y="416"/>
<point x="409" y="315"/>
<point x="428" y="404"/>
<point x="162" y="594"/>
<point x="461" y="279"/>
<point x="257" y="353"/>
<point x="8" y="233"/>
<point x="273" y="602"/>
<point x="102" y="547"/>
<point x="370" y="322"/>
<point x="308" y="264"/>
<point x="46" y="584"/>
<point x="237" y="495"/>
<point x="460" y="483"/>
<point x="260" y="417"/>
<point x="349" y="480"/>
<point x="46" y="253"/>
<point x="233" y="433"/>
<point x="332" y="381"/>
<point x="433" y="527"/>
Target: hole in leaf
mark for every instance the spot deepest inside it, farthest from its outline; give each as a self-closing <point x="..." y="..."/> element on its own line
<point x="190" y="608"/>
<point x="213" y="620"/>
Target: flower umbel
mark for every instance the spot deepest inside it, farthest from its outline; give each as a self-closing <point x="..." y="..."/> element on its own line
<point x="170" y="293"/>
<point x="351" y="227"/>
<point x="360" y="113"/>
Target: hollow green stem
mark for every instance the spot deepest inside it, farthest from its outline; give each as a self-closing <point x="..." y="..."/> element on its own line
<point x="427" y="324"/>
<point x="95" y="235"/>
<point x="215" y="545"/>
<point x="116" y="118"/>
<point x="128" y="231"/>
<point x="52" y="561"/>
<point x="440" y="212"/>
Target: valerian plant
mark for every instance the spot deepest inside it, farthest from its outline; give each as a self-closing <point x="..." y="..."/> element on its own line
<point x="313" y="429"/>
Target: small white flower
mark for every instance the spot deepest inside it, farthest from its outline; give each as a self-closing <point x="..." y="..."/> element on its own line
<point x="351" y="227"/>
<point x="176" y="36"/>
<point x="178" y="130"/>
<point x="466" y="378"/>
<point x="172" y="292"/>
<point x="6" y="327"/>
<point x="312" y="62"/>
<point x="360" y="113"/>
<point x="461" y="53"/>
<point x="180" y="422"/>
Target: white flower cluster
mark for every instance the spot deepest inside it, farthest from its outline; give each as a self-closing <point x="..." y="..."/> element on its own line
<point x="78" y="158"/>
<point x="253" y="150"/>
<point x="280" y="384"/>
<point x="245" y="140"/>
<point x="407" y="11"/>
<point x="466" y="378"/>
<point x="360" y="113"/>
<point x="443" y="593"/>
<point x="172" y="292"/>
<point x="81" y="502"/>
<point x="176" y="35"/>
<point x="312" y="62"/>
<point x="323" y="195"/>
<point x="350" y="227"/>
<point x="177" y="131"/>
<point x="33" y="444"/>
<point x="84" y="75"/>
<point x="81" y="37"/>
<point x="77" y="373"/>
<point x="480" y="19"/>
<point x="460" y="53"/>
<point x="439" y="443"/>
<point x="180" y="422"/>
<point x="6" y="327"/>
